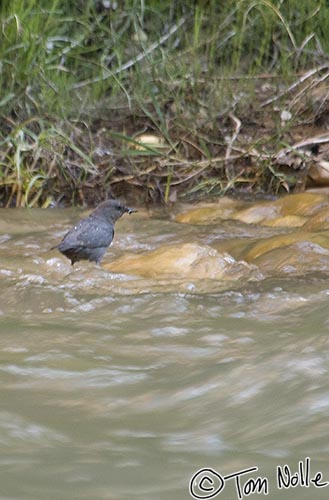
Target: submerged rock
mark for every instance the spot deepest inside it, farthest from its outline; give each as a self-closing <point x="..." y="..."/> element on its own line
<point x="319" y="221"/>
<point x="210" y="213"/>
<point x="299" y="258"/>
<point x="285" y="221"/>
<point x="305" y="204"/>
<point x="266" y="245"/>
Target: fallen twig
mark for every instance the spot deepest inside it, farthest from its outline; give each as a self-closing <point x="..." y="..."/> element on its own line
<point x="234" y="136"/>
<point x="313" y="83"/>
<point x="294" y="85"/>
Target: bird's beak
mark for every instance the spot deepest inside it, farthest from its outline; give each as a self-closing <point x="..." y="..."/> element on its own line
<point x="131" y="210"/>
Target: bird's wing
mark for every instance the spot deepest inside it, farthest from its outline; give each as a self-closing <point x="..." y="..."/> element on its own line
<point x="99" y="236"/>
<point x="89" y="234"/>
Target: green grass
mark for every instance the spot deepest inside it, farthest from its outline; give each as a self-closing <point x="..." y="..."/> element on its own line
<point x="71" y="69"/>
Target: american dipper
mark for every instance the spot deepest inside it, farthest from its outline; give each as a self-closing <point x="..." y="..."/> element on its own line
<point x="90" y="237"/>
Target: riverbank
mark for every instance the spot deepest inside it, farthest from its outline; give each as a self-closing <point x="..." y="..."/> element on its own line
<point x="158" y="104"/>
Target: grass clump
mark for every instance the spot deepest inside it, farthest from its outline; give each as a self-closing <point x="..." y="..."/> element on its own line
<point x="83" y="83"/>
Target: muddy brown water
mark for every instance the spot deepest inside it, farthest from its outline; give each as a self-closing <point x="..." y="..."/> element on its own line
<point x="115" y="386"/>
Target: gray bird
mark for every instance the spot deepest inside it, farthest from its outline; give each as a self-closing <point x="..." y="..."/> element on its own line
<point x="90" y="237"/>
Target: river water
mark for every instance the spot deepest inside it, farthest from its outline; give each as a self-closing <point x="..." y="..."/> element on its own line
<point x="113" y="388"/>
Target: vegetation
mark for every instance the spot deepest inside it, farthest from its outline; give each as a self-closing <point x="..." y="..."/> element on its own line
<point x="155" y="99"/>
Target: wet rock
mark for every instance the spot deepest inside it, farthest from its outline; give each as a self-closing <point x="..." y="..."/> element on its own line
<point x="257" y="213"/>
<point x="288" y="211"/>
<point x="188" y="260"/>
<point x="296" y="205"/>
